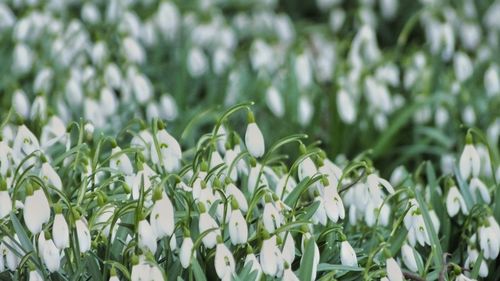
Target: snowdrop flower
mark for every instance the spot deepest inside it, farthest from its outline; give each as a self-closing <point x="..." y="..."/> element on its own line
<point x="374" y="181"/>
<point x="162" y="215"/>
<point x="491" y="81"/>
<point x="489" y="239"/>
<point x="169" y="110"/>
<point x="54" y="131"/>
<point x="167" y="19"/>
<point x="334" y="206"/>
<point x="142" y="88"/>
<point x="238" y="229"/>
<point x="21" y="103"/>
<point x="288" y="252"/>
<point x="470" y="162"/>
<point x="414" y="222"/>
<point x="119" y="161"/>
<point x="463" y="66"/>
<point x="113" y="276"/>
<point x="346" y="107"/>
<point x="303" y="70"/>
<point x="254" y="140"/>
<point x="49" y="253"/>
<point x="307" y="168"/>
<point x="224" y="261"/>
<point x="274" y="102"/>
<point x="462" y="277"/>
<point x="408" y="255"/>
<point x="11" y="257"/>
<point x="5" y="200"/>
<point x="473" y="254"/>
<point x="319" y="216"/>
<point x="170" y="153"/>
<point x="22" y="60"/>
<point x="347" y="254"/>
<point x="83" y="234"/>
<point x="103" y="220"/>
<point x="147" y="236"/>
<point x="36" y="210"/>
<point x="305" y="110"/>
<point x="271" y="217"/>
<point x="394" y="272"/>
<point x="252" y="259"/>
<point x="197" y="64"/>
<point x="50" y="176"/>
<point x="206" y="222"/>
<point x="35" y="276"/>
<point x="140" y="270"/>
<point x="186" y="251"/>
<point x="288" y="274"/>
<point x="133" y="51"/>
<point x="477" y="186"/>
<point x="60" y="230"/>
<point x="269" y="260"/>
<point x="25" y="143"/>
<point x="455" y="202"/>
<point x="237" y="194"/>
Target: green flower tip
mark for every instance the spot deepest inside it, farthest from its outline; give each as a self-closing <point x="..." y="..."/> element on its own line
<point x="468" y="138"/>
<point x="250" y="117"/>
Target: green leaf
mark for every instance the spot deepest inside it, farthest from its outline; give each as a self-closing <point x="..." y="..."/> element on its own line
<point x="307" y="260"/>
<point x="199" y="274"/>
<point x="338" y="267"/>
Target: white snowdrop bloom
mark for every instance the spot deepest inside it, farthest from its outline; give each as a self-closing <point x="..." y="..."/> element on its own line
<point x="90" y="13"/>
<point x="303" y="70"/>
<point x="491" y="80"/>
<point x="49" y="253"/>
<point x="252" y="259"/>
<point x="472" y="255"/>
<point x="35" y="276"/>
<point x="229" y="157"/>
<point x="119" y="162"/>
<point x="254" y="140"/>
<point x="215" y="159"/>
<point x="305" y="110"/>
<point x="36" y="210"/>
<point x="43" y="81"/>
<point x="337" y="19"/>
<point x="6" y="155"/>
<point x="462" y="277"/>
<point x="470" y="35"/>
<point x="262" y="56"/>
<point x="489" y="240"/>
<point x="170" y="151"/>
<point x="25" y="143"/>
<point x="167" y="20"/>
<point x="346" y="107"/>
<point x="140" y="271"/>
<point x="103" y="220"/>
<point x="147" y="236"/>
<point x="206" y="222"/>
<point x="320" y="216"/>
<point x="11" y="258"/>
<point x="237" y="194"/>
<point x="60" y="232"/>
<point x="334" y="206"/>
<point x="394" y="272"/>
<point x="463" y="66"/>
<point x="288" y="274"/>
<point x="477" y="186"/>
<point x="185" y="252"/>
<point x="374" y="181"/>
<point x="133" y="51"/>
<point x="54" y="131"/>
<point x="455" y="202"/>
<point x="7" y="17"/>
<point x="388" y="8"/>
<point x="142" y="87"/>
<point x="288" y="252"/>
<point x="83" y="235"/>
<point x="414" y="223"/>
<point x="143" y="141"/>
<point x="238" y="229"/>
<point x="284" y="186"/>
<point x="21" y="103"/>
<point x="284" y="28"/>
<point x="22" y="60"/>
<point x="307" y="168"/>
<point x="92" y="112"/>
<point x="197" y="63"/>
<point x="112" y="76"/>
<point x="347" y="254"/>
<point x="269" y="261"/>
<point x="470" y="162"/>
<point x="108" y="101"/>
<point x="409" y="259"/>
<point x="73" y="92"/>
<point x="222" y="60"/>
<point x="5" y="200"/>
<point x="307" y="238"/>
<point x="271" y="217"/>
<point x="224" y="262"/>
<point x="168" y="110"/>
<point x="162" y="216"/>
<point x="274" y="102"/>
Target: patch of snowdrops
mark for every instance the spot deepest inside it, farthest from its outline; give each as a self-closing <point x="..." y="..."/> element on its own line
<point x="77" y="203"/>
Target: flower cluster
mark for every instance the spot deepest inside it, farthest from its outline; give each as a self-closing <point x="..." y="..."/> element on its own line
<point x="139" y="206"/>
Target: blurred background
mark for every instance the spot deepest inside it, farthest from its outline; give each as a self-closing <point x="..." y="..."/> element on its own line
<point x="401" y="79"/>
